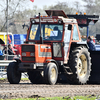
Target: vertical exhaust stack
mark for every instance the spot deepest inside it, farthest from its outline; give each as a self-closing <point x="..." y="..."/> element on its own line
<point x="41" y="37"/>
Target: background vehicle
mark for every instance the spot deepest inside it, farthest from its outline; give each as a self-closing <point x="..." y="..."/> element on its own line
<point x="3" y="42"/>
<point x="14" y="39"/>
<point x="53" y="47"/>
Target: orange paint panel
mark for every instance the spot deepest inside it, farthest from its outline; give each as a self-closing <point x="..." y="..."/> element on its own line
<point x="36" y="51"/>
<point x="42" y="59"/>
<point x="39" y="59"/>
<point x="40" y="54"/>
<point x="45" y="50"/>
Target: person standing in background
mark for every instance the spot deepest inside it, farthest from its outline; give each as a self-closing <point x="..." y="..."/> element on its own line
<point x="10" y="51"/>
<point x="91" y="44"/>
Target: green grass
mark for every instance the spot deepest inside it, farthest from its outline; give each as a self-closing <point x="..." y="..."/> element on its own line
<point x="24" y="79"/>
<point x="60" y="98"/>
<point x="3" y="78"/>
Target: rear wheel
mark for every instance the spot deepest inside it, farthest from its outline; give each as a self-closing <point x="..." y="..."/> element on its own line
<point x="51" y="73"/>
<point x="35" y="77"/>
<point x="13" y="74"/>
<point x="80" y="65"/>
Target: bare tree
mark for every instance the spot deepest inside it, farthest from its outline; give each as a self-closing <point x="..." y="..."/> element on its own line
<point x="90" y="6"/>
<point x="63" y="6"/>
<point x="13" y="6"/>
<point x="78" y="6"/>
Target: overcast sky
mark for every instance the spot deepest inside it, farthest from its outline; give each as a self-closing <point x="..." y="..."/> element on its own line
<point x="41" y="3"/>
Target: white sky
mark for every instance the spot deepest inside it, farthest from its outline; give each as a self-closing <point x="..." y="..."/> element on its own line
<point x="41" y="3"/>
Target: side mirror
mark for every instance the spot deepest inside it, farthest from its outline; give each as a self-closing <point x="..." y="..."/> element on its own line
<point x="69" y="27"/>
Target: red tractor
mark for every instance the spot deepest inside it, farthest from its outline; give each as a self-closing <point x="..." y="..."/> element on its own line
<point x="53" y="47"/>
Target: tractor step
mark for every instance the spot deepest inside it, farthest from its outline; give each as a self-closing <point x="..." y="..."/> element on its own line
<point x="68" y="70"/>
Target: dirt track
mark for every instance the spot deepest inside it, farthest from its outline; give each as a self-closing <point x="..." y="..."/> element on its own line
<point x="26" y="89"/>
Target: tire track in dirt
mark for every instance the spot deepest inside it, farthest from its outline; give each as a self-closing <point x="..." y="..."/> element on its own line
<point x="27" y="90"/>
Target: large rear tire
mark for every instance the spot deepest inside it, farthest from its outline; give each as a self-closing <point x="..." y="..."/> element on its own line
<point x="51" y="73"/>
<point x="80" y="65"/>
<point x="13" y="75"/>
<point x="35" y="77"/>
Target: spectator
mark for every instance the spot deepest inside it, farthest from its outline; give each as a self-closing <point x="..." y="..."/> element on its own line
<point x="10" y="51"/>
<point x="91" y="44"/>
<point x="5" y="50"/>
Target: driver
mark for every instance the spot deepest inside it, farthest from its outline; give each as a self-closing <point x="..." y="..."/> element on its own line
<point x="59" y="32"/>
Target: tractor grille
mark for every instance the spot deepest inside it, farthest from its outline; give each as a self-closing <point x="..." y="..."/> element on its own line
<point x="28" y="48"/>
<point x="28" y="58"/>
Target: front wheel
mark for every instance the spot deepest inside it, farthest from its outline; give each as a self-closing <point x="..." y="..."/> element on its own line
<point x="13" y="75"/>
<point x="51" y="73"/>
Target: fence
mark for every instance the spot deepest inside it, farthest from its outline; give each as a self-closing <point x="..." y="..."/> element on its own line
<point x="4" y="64"/>
<point x="3" y="68"/>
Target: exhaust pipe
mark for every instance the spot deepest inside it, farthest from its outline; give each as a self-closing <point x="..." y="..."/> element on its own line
<point x="41" y="37"/>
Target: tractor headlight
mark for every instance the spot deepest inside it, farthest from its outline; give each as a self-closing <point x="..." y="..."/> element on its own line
<point x="23" y="54"/>
<point x="31" y="54"/>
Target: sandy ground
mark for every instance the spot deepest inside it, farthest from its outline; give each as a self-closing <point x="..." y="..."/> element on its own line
<point x="27" y="90"/>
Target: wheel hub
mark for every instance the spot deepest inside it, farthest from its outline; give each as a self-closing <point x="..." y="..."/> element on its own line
<point x="82" y="66"/>
<point x="53" y="74"/>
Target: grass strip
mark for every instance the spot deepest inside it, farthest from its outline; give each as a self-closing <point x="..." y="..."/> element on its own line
<point x="90" y="97"/>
